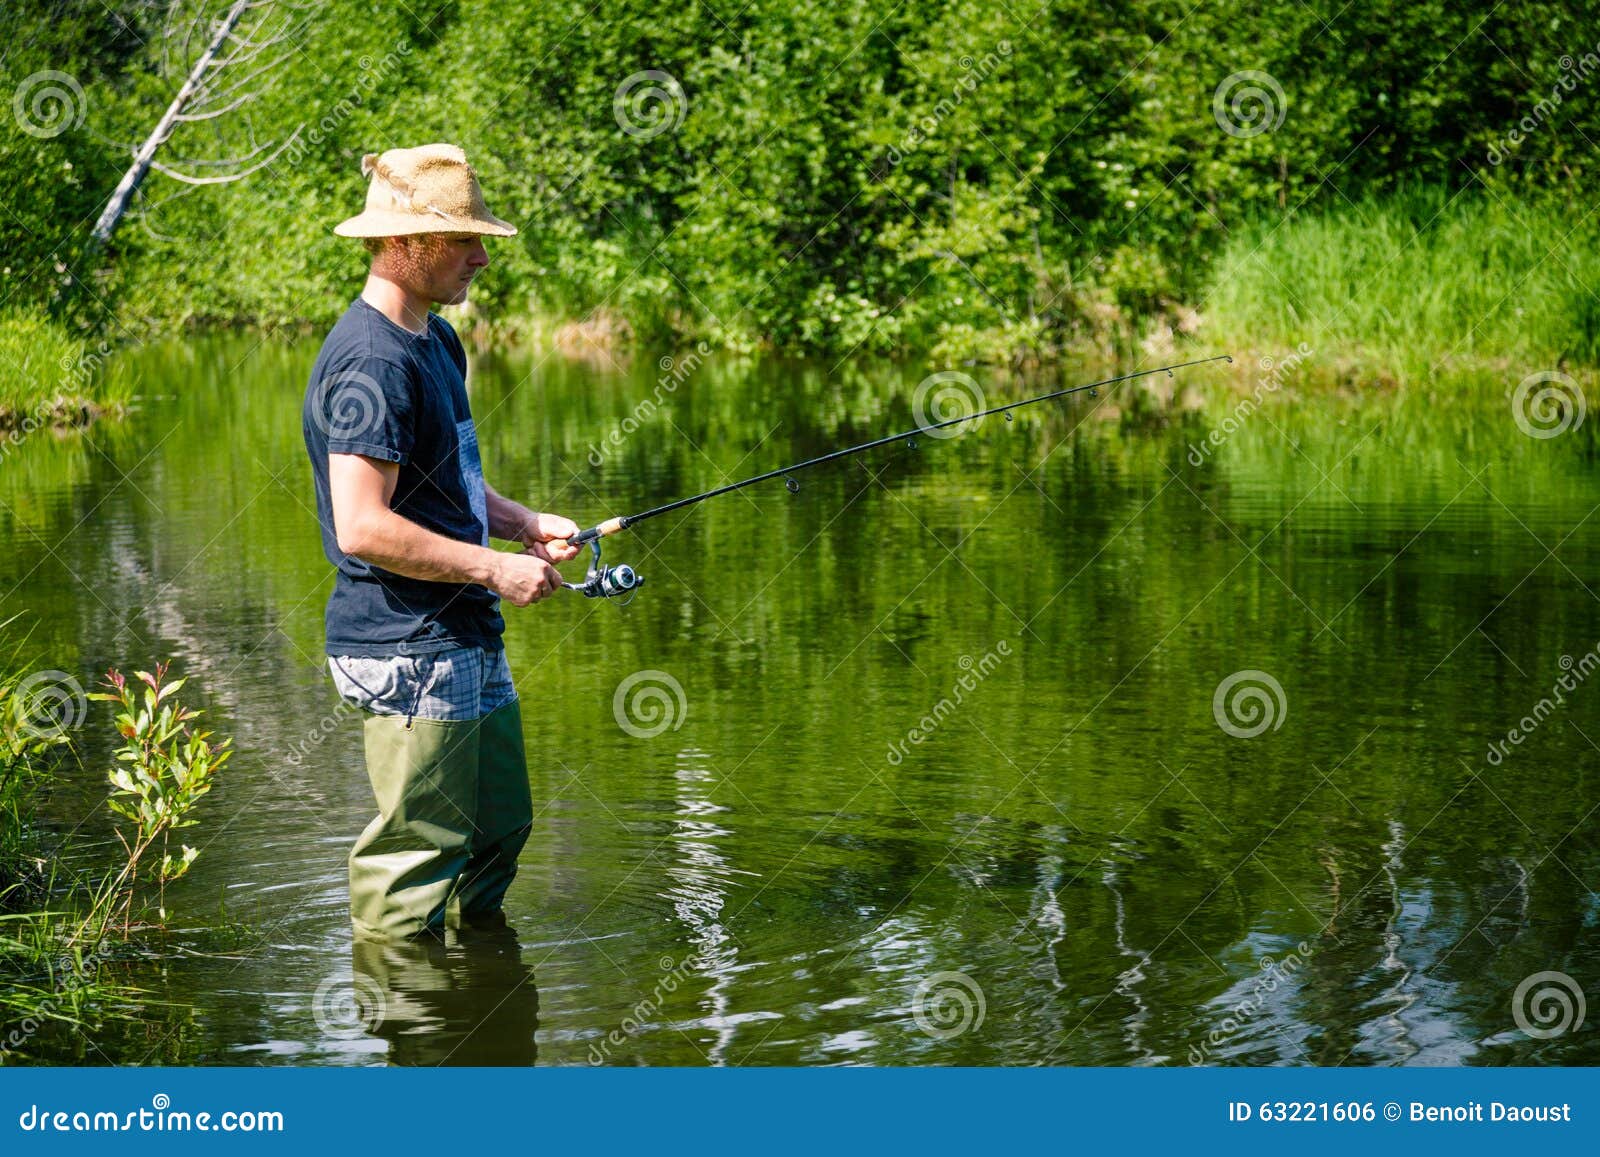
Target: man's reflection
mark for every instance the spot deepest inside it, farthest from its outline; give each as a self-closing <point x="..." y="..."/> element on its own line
<point x="462" y="998"/>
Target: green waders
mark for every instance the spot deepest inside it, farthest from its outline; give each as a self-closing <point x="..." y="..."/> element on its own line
<point x="454" y="810"/>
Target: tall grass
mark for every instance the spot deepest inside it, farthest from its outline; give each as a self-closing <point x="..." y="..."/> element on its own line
<point x="49" y="377"/>
<point x="1416" y="285"/>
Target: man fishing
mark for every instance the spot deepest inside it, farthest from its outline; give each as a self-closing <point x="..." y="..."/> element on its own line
<point x="413" y="622"/>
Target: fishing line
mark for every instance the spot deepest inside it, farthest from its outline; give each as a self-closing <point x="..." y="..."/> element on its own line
<point x="604" y="582"/>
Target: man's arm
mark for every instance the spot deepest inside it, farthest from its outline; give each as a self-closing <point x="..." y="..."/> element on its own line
<point x="361" y="489"/>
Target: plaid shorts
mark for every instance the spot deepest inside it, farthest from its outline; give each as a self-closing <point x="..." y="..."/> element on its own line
<point x="460" y="684"/>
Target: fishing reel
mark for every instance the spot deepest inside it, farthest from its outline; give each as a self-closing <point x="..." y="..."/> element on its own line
<point x="607" y="582"/>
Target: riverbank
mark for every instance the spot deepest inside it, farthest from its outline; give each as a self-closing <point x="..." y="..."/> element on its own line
<point x="52" y="380"/>
<point x="1447" y="293"/>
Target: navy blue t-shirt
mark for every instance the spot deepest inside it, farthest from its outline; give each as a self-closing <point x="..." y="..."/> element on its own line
<point x="381" y="391"/>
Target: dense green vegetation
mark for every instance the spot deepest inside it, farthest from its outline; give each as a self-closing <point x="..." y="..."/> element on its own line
<point x="824" y="176"/>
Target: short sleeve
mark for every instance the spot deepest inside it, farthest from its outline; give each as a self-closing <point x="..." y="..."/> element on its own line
<point x="368" y="406"/>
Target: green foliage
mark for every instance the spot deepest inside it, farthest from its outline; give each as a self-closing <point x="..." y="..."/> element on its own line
<point x="1419" y="282"/>
<point x="982" y="181"/>
<point x="168" y="768"/>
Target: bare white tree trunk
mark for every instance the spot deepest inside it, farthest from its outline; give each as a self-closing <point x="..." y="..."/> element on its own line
<point x="186" y="106"/>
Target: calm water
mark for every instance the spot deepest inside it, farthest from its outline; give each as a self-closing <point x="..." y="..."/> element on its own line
<point x="787" y="842"/>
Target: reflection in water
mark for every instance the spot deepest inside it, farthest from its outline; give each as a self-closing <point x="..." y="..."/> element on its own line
<point x="772" y="900"/>
<point x="1128" y="980"/>
<point x="700" y="879"/>
<point x="462" y="999"/>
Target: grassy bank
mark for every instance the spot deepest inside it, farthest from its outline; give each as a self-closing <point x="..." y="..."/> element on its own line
<point x="50" y="379"/>
<point x="1416" y="287"/>
<point x="64" y="934"/>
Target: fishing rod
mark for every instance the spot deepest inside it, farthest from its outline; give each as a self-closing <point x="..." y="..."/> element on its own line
<point x="604" y="582"/>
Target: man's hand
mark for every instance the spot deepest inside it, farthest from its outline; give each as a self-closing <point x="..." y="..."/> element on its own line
<point x="543" y="529"/>
<point x="521" y="579"/>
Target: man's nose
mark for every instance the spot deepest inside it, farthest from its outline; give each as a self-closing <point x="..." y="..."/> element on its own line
<point x="479" y="257"/>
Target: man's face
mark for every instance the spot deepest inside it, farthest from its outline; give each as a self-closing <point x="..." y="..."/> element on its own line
<point x="441" y="266"/>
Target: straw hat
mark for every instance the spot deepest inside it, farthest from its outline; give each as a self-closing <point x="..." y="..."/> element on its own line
<point x="430" y="189"/>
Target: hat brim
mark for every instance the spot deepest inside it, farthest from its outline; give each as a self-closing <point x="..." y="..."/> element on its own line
<point x="381" y="224"/>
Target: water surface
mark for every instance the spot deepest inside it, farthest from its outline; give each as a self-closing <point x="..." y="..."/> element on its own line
<point x="803" y="849"/>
